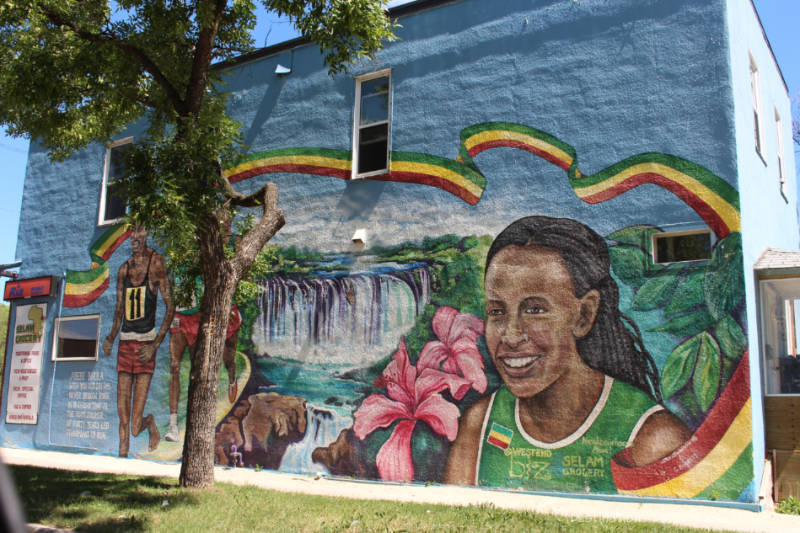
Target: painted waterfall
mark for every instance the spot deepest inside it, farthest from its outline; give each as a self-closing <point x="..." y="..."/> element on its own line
<point x="345" y="319"/>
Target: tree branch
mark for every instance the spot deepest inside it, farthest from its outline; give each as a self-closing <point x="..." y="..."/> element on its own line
<point x="203" y="55"/>
<point x="110" y="39"/>
<point x="267" y="226"/>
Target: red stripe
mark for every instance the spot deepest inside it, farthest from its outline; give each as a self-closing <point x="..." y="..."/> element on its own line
<point x="300" y="169"/>
<point x="707" y="436"/>
<point x="81" y="300"/>
<point x="478" y="148"/>
<point x="497" y="442"/>
<point x="431" y="180"/>
<point x="695" y="202"/>
<point x="111" y="249"/>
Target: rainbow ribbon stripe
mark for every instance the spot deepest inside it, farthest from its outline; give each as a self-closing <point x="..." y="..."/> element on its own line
<point x="409" y="167"/>
<point x="715" y="463"/>
<point x="82" y="288"/>
<point x="710" y="196"/>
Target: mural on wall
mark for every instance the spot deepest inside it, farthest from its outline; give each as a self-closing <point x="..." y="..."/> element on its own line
<point x="426" y="361"/>
<point x="139" y="281"/>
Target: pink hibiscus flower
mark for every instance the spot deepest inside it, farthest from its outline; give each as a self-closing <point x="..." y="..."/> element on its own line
<point x="456" y="350"/>
<point x="413" y="395"/>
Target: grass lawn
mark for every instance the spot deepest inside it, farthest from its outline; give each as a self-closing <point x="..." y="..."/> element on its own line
<point x="104" y="502"/>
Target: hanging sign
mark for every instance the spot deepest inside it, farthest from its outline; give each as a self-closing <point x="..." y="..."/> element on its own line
<point x="30" y="288"/>
<point x="22" y="405"/>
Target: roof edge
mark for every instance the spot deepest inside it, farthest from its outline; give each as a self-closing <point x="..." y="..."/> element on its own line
<point x="399" y="11"/>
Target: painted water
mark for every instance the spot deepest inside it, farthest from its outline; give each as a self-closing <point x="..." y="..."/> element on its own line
<point x="323" y="427"/>
<point x="346" y="319"/>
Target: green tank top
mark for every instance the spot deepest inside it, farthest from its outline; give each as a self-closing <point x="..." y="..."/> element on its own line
<point x="509" y="457"/>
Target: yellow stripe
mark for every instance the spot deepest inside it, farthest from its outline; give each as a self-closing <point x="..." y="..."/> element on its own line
<point x="728" y="213"/>
<point x="711" y="467"/>
<point x="439" y="172"/>
<point x="499" y="436"/>
<point x="311" y="160"/>
<point x="499" y="135"/>
<point x="79" y="289"/>
<point x="111" y="240"/>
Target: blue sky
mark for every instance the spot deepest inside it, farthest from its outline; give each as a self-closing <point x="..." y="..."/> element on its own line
<point x="779" y="17"/>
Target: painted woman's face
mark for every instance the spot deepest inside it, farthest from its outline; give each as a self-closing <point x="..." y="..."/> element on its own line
<point x="533" y="318"/>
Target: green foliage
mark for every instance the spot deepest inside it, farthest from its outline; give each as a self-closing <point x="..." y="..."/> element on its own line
<point x="656" y="291"/>
<point x="73" y="73"/>
<point x="724" y="282"/>
<point x="630" y="263"/>
<point x="688" y="295"/>
<point x="788" y="505"/>
<point x="78" y="72"/>
<point x="698" y="302"/>
<point x="731" y="338"/>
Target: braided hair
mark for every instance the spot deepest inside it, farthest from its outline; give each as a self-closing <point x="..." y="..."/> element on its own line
<point x="614" y="344"/>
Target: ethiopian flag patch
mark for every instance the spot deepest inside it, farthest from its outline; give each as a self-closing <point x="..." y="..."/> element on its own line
<point x="500" y="436"/>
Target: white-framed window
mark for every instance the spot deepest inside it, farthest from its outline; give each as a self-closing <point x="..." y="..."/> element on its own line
<point x="755" y="90"/>
<point x="779" y="147"/>
<point x="372" y="124"/>
<point x="113" y="203"/>
<point x="76" y="338"/>
<point x="681" y="246"/>
<point x="779" y="302"/>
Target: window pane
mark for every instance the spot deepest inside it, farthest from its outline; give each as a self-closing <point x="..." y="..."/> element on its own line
<point x="780" y="310"/>
<point x="374" y="109"/>
<point x="116" y="202"/>
<point x="374" y="101"/>
<point x="372" y="147"/>
<point x="77" y="338"/>
<point x="676" y="248"/>
<point x="375" y="86"/>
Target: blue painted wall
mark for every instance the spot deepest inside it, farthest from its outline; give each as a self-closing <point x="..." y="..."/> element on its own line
<point x="610" y="78"/>
<point x="769" y="209"/>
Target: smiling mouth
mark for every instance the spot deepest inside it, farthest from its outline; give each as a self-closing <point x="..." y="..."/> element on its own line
<point x="519" y="362"/>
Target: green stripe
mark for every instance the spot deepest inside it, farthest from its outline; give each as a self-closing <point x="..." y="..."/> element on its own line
<point x="342" y="155"/>
<point x="93" y="251"/>
<point x="699" y="173"/>
<point x="78" y="277"/>
<point x="454" y="166"/>
<point x="496" y="428"/>
<point x="517" y="128"/>
<point x="731" y="484"/>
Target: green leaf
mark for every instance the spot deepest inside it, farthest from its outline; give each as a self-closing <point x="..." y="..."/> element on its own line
<point x="688" y="324"/>
<point x="679" y="366"/>
<point x="630" y="264"/>
<point x="724" y="282"/>
<point x="687" y="296"/>
<point x="706" y="374"/>
<point x="655" y="292"/>
<point x="731" y="338"/>
<point x="635" y="235"/>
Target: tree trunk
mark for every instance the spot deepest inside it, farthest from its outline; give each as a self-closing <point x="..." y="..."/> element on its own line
<point x="197" y="468"/>
<point x="220" y="277"/>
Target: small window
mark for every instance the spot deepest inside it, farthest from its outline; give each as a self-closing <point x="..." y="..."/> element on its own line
<point x="682" y="246"/>
<point x="76" y="338"/>
<point x="779" y="147"/>
<point x="113" y="204"/>
<point x="371" y="125"/>
<point x="756" y="94"/>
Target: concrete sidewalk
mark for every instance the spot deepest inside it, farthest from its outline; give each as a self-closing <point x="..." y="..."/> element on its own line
<point x="700" y="516"/>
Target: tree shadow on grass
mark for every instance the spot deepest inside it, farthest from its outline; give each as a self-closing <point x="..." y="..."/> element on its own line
<point x="87" y="501"/>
